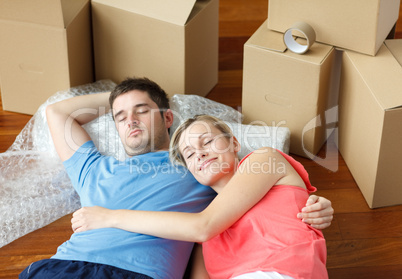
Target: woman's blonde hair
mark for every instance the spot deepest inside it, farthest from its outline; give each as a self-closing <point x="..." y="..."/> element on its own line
<point x="175" y="155"/>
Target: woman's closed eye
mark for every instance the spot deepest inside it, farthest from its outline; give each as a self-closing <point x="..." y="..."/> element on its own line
<point x="208" y="141"/>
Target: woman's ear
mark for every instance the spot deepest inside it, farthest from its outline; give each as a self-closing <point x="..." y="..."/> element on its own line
<point x="168" y="118"/>
<point x="236" y="145"/>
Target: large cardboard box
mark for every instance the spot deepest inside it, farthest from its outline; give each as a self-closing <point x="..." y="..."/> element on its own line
<point x="45" y="47"/>
<point x="281" y="88"/>
<point x="370" y="122"/>
<point x="360" y="25"/>
<point x="174" y="43"/>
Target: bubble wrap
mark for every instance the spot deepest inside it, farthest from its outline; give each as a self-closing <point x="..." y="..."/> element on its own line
<point x="34" y="187"/>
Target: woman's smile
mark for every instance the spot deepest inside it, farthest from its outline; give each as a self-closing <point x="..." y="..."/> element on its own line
<point x="206" y="163"/>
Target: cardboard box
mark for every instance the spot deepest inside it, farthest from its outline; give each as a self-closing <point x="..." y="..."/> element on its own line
<point x="174" y="43"/>
<point x="370" y="122"/>
<point x="281" y="88"/>
<point x="45" y="47"/>
<point x="360" y="25"/>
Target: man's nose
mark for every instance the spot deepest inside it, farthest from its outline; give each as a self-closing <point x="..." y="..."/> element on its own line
<point x="132" y="121"/>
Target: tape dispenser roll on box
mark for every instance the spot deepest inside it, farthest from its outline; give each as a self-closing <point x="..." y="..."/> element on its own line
<point x="308" y="33"/>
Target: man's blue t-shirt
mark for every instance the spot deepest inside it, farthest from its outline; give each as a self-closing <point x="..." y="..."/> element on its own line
<point x="143" y="182"/>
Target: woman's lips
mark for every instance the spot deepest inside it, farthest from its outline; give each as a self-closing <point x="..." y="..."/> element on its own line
<point x="206" y="163"/>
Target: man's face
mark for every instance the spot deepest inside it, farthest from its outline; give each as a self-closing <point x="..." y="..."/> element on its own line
<point x="139" y="123"/>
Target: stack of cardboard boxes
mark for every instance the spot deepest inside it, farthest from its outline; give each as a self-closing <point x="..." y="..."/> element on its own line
<point x="352" y="69"/>
<point x="52" y="45"/>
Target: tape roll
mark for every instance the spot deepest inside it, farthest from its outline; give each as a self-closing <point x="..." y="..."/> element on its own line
<point x="308" y="33"/>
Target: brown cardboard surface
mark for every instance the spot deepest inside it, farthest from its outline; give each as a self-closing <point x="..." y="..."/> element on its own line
<point x="40" y="59"/>
<point x="182" y="58"/>
<point x="288" y="89"/>
<point x="370" y="126"/>
<point x="359" y="25"/>
<point x="47" y="12"/>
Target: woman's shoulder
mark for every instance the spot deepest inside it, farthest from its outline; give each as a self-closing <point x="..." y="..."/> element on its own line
<point x="264" y="153"/>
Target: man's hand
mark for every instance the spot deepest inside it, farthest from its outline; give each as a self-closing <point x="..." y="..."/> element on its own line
<point x="318" y="212"/>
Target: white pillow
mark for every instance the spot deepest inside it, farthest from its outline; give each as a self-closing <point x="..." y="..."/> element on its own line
<point x="253" y="137"/>
<point x="187" y="106"/>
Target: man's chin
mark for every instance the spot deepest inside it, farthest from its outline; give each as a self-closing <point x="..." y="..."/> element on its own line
<point x="133" y="151"/>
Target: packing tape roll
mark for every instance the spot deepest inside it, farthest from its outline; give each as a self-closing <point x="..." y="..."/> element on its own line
<point x="307" y="31"/>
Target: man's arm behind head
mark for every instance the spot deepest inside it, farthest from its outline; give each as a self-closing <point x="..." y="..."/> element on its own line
<point x="65" y="120"/>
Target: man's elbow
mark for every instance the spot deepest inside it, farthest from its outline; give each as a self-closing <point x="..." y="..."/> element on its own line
<point x="50" y="111"/>
<point x="55" y="115"/>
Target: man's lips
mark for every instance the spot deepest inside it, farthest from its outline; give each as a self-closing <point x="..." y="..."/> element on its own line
<point x="134" y="132"/>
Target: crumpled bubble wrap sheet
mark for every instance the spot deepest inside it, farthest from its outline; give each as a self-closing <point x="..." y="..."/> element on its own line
<point x="35" y="190"/>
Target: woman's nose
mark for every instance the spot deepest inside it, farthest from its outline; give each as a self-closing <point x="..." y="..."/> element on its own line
<point x="201" y="154"/>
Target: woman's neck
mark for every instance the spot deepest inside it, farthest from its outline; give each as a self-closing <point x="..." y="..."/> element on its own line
<point x="219" y="185"/>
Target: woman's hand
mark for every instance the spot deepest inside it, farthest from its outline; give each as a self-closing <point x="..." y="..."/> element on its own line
<point x="90" y="218"/>
<point x="318" y="212"/>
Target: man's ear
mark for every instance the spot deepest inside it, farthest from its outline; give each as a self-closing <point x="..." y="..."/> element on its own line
<point x="168" y="118"/>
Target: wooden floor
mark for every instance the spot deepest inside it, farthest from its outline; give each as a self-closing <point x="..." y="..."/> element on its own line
<point x="362" y="243"/>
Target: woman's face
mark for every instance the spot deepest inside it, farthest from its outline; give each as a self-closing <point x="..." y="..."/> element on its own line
<point x="210" y="156"/>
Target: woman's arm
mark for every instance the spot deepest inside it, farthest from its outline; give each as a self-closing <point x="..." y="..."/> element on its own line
<point x="246" y="188"/>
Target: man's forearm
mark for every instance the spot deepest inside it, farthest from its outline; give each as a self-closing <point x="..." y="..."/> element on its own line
<point x="65" y="120"/>
<point x="82" y="109"/>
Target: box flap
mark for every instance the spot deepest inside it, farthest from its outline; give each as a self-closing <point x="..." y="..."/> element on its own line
<point x="382" y="75"/>
<point x="71" y="8"/>
<point x="395" y="47"/>
<point x="48" y="12"/>
<point x="173" y="11"/>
